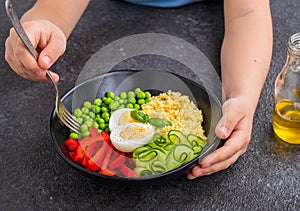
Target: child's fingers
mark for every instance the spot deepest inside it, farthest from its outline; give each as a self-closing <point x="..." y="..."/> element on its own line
<point x="45" y="37"/>
<point x="223" y="157"/>
<point x="54" y="48"/>
<point x="231" y="117"/>
<point x="237" y="142"/>
<point x="50" y="40"/>
<point x="198" y="170"/>
<point x="12" y="60"/>
<point x="195" y="172"/>
<point x="41" y="76"/>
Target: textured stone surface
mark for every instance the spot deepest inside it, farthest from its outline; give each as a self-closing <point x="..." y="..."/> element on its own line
<point x="34" y="177"/>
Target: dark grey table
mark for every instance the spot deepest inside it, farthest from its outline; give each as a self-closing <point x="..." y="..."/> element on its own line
<point x="34" y="177"/>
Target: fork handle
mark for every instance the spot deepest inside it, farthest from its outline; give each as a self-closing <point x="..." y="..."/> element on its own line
<point x="19" y="29"/>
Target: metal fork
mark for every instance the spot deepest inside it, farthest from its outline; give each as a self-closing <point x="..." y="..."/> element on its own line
<point x="63" y="114"/>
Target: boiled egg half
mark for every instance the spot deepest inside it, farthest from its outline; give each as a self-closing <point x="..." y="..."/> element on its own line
<point x="126" y="133"/>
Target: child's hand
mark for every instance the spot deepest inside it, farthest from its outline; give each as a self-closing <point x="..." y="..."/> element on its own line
<point x="236" y="125"/>
<point x="47" y="38"/>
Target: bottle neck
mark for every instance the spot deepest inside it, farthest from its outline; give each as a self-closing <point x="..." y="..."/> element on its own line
<point x="294" y="45"/>
<point x="293" y="58"/>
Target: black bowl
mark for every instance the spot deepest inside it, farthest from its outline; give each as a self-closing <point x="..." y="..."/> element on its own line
<point x="125" y="80"/>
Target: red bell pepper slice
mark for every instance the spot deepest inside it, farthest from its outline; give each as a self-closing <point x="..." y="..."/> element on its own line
<point x="107" y="172"/>
<point x="127" y="172"/>
<point x="114" y="155"/>
<point x="72" y="155"/>
<point x="93" y="148"/>
<point x="118" y="161"/>
<point x="85" y="161"/>
<point x="99" y="156"/>
<point x="93" y="132"/>
<point x="96" y="153"/>
<point x="72" y="144"/>
<point x="88" y="140"/>
<point x="89" y="152"/>
<point x="70" y="141"/>
<point x="130" y="159"/>
<point x="79" y="154"/>
<point x="63" y="148"/>
<point x="107" y="157"/>
<point x="92" y="166"/>
<point x="105" y="136"/>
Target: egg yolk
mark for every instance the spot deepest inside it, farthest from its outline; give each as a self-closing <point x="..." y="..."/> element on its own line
<point x="126" y="118"/>
<point x="134" y="133"/>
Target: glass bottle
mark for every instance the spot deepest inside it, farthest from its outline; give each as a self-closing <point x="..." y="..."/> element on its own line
<point x="286" y="115"/>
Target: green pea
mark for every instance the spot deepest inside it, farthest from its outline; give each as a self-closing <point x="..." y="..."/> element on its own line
<point x="121" y="106"/>
<point x="92" y="115"/>
<point x="83" y="117"/>
<point x="103" y="99"/>
<point x="105" y="114"/>
<point x="108" y="101"/>
<point x="104" y="109"/>
<point x="86" y="118"/>
<point x="106" y="119"/>
<point x="77" y="112"/>
<point x="85" y="110"/>
<point x="84" y="127"/>
<point x="110" y="95"/>
<point x="79" y="120"/>
<point x="73" y="135"/>
<point x="89" y="123"/>
<point x="97" y="102"/>
<point x="107" y="129"/>
<point x="99" y="131"/>
<point x="96" y="109"/>
<point x="96" y="125"/>
<point x="123" y="95"/>
<point x="136" y="106"/>
<point x="87" y="104"/>
<point x="131" y="94"/>
<point x="85" y="133"/>
<point x="114" y="106"/>
<point x="121" y="101"/>
<point x="147" y="100"/>
<point x="129" y="105"/>
<point x="141" y="95"/>
<point x="141" y="101"/>
<point x="132" y="100"/>
<point x="117" y="98"/>
<point x="99" y="120"/>
<point x="102" y="126"/>
<point x="137" y="90"/>
<point x="148" y="94"/>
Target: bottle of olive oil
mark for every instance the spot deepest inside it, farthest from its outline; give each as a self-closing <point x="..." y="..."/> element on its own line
<point x="286" y="116"/>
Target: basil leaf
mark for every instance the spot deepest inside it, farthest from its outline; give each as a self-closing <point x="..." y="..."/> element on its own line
<point x="140" y="116"/>
<point x="159" y="123"/>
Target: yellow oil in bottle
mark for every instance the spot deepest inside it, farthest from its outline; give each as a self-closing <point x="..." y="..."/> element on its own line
<point x="286" y="121"/>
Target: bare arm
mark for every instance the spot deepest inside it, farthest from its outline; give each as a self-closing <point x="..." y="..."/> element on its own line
<point x="247" y="48"/>
<point x="245" y="59"/>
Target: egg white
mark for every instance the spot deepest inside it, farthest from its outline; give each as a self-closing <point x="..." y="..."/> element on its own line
<point x="115" y="117"/>
<point x="129" y="145"/>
